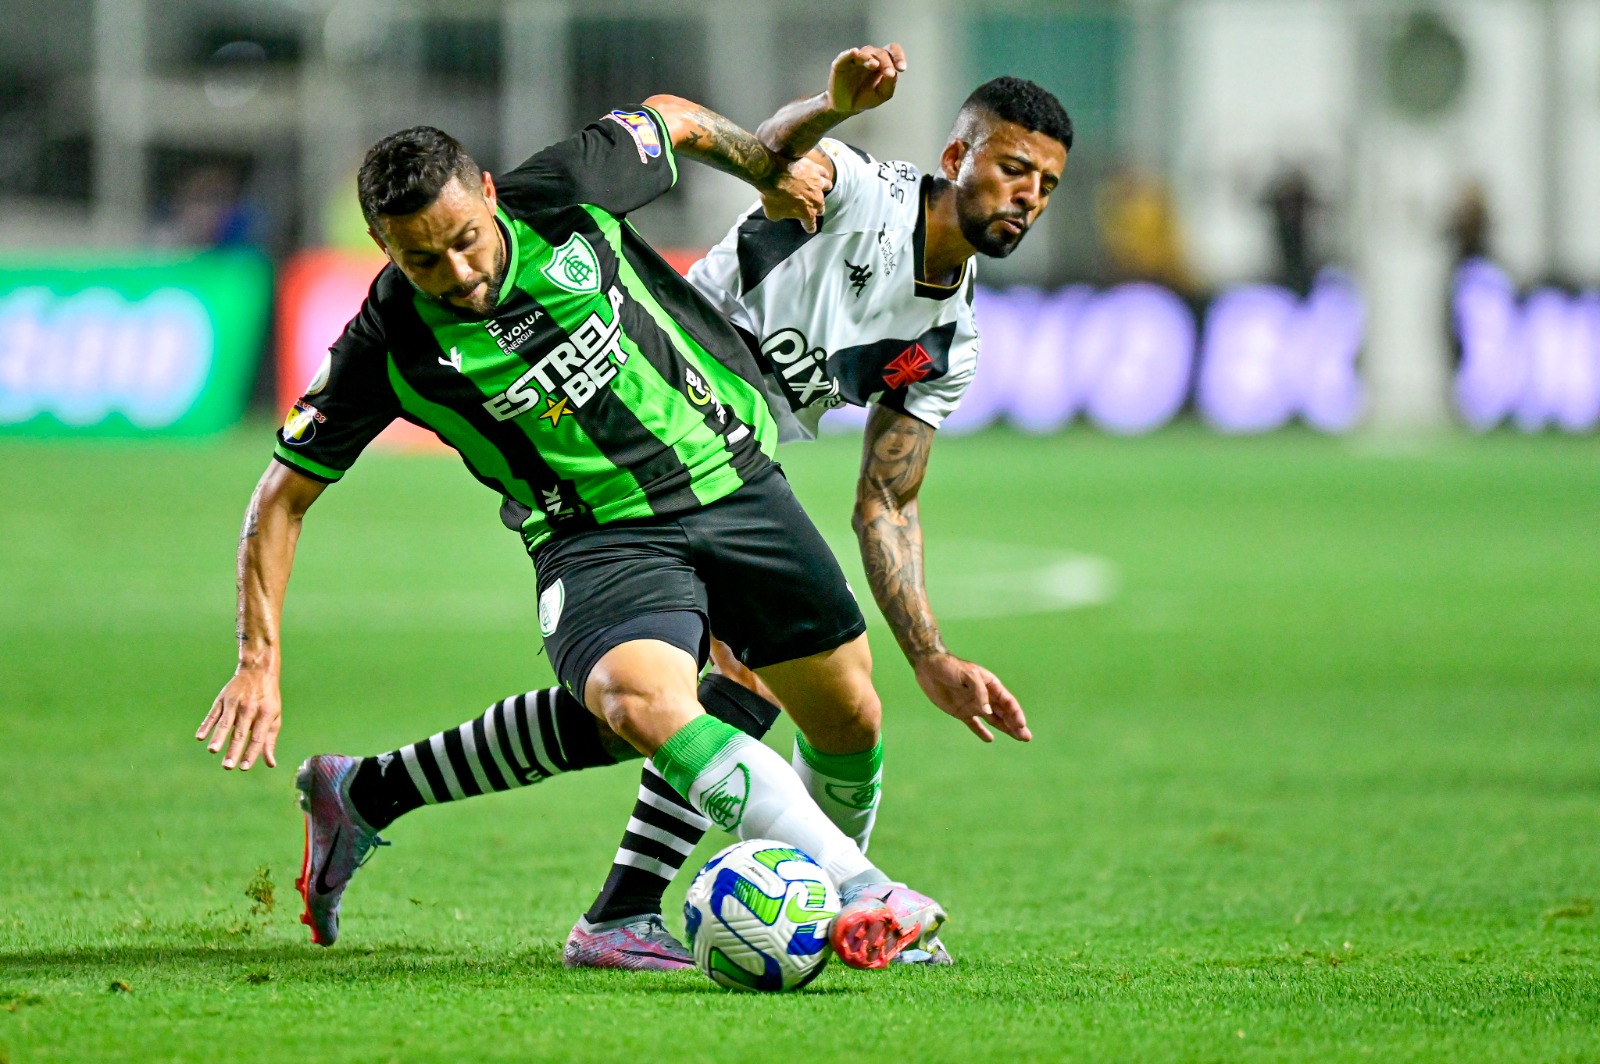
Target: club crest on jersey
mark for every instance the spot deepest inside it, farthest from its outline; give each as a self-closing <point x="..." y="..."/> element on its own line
<point x="909" y="366"/>
<point x="550" y="604"/>
<point x="571" y="373"/>
<point x="301" y="424"/>
<point x="575" y="267"/>
<point x="803" y="372"/>
<point x="642" y="130"/>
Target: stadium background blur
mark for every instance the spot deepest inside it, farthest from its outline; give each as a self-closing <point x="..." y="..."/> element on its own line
<point x="1223" y="144"/>
<point x="1275" y="501"/>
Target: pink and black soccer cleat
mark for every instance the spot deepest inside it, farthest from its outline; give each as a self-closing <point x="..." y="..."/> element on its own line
<point x="878" y="921"/>
<point x="337" y="842"/>
<point x="641" y="944"/>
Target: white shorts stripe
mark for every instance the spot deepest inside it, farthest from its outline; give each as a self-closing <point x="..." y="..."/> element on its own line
<point x="646" y="864"/>
<point x="666" y="838"/>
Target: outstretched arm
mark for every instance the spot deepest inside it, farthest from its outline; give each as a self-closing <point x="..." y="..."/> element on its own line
<point x="249" y="706"/>
<point x="860" y="79"/>
<point x="789" y="189"/>
<point x="894" y="460"/>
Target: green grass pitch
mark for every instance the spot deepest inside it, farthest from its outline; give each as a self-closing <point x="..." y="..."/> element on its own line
<point x="1315" y="774"/>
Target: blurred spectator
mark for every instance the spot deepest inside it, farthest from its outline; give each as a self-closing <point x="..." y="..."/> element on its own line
<point x="1139" y="230"/>
<point x="1293" y="206"/>
<point x="1469" y="226"/>
<point x="208" y="209"/>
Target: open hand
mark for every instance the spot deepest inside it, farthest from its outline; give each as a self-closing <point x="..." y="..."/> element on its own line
<point x="250" y="708"/>
<point x="862" y="78"/>
<point x="797" y="191"/>
<point x="973" y="695"/>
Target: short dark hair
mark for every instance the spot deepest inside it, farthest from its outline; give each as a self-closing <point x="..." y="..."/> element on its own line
<point x="1028" y="105"/>
<point x="404" y="171"/>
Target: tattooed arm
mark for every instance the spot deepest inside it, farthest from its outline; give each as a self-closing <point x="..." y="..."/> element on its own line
<point x="859" y="80"/>
<point x="888" y="526"/>
<point x="789" y="188"/>
<point x="249" y="706"/>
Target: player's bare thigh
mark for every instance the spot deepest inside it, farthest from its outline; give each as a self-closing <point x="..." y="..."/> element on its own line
<point x="830" y="697"/>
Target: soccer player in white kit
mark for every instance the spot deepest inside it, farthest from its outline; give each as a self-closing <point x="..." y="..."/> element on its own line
<point x="874" y="307"/>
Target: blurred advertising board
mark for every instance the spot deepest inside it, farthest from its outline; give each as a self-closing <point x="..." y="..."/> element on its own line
<point x="318" y="293"/>
<point x="1531" y="360"/>
<point x="1134" y="357"/>
<point x="162" y="345"/>
<point x="1131" y="358"/>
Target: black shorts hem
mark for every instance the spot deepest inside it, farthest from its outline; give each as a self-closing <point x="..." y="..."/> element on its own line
<point x="665" y="626"/>
<point x="799" y="648"/>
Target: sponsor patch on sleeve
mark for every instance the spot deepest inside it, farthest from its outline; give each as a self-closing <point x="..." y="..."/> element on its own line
<point x="643" y="131"/>
<point x="301" y="424"/>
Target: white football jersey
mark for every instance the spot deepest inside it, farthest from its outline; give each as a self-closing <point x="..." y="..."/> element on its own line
<point x="843" y="315"/>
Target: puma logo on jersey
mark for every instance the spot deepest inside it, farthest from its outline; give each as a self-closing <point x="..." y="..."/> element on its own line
<point x="804" y="372"/>
<point x="577" y="368"/>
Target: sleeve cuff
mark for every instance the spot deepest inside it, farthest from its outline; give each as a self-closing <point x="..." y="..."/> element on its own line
<point x="305" y="466"/>
<point x="666" y="140"/>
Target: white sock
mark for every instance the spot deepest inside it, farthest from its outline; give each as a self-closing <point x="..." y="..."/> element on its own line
<point x="846" y="787"/>
<point x="747" y="790"/>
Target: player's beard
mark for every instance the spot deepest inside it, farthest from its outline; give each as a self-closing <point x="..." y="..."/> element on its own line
<point x="981" y="229"/>
<point x="491" y="290"/>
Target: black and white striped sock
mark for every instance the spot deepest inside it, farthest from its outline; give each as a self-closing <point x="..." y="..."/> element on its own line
<point x="516" y="742"/>
<point x="664" y="828"/>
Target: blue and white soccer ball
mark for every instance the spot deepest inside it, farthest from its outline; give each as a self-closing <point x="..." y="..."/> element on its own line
<point x="758" y="916"/>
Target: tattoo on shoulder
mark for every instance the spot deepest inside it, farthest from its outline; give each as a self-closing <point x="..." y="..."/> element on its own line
<point x="896" y="453"/>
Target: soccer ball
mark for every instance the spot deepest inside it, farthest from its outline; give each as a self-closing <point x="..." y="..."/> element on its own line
<point x="758" y="916"/>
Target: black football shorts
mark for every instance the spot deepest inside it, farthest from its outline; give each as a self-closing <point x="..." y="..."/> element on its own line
<point x="751" y="565"/>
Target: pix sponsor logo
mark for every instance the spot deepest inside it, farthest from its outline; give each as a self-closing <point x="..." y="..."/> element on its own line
<point x="301" y="424"/>
<point x="803" y="371"/>
<point x="574" y="371"/>
<point x="642" y="130"/>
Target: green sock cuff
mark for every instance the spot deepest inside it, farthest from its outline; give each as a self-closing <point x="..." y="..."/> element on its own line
<point x="851" y="768"/>
<point x="692" y="747"/>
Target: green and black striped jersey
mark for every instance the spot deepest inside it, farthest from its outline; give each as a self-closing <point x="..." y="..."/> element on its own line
<point x="602" y="388"/>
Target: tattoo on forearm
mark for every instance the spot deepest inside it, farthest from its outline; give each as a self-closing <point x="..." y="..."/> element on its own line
<point x="720" y="143"/>
<point x="798" y="126"/>
<point x="893" y="462"/>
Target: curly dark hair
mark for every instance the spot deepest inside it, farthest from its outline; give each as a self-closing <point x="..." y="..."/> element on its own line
<point x="404" y="171"/>
<point x="1021" y="101"/>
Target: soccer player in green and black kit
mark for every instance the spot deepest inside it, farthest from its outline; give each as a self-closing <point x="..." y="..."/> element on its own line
<point x="589" y="386"/>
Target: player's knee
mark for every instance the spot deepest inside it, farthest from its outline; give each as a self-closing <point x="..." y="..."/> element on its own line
<point x="641" y="710"/>
<point x="855" y="724"/>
